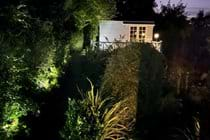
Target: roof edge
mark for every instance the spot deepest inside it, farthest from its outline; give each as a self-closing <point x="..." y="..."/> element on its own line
<point x="139" y="22"/>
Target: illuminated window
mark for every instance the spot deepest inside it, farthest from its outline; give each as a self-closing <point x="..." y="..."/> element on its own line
<point x="133" y="32"/>
<point x="142" y="33"/>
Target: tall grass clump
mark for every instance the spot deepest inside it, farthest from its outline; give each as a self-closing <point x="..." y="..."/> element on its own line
<point x="94" y="118"/>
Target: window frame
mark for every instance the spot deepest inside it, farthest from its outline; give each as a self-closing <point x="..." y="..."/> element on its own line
<point x="138" y="33"/>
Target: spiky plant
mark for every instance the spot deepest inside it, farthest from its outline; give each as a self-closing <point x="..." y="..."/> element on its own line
<point x="99" y="118"/>
<point x="112" y="126"/>
<point x="108" y="116"/>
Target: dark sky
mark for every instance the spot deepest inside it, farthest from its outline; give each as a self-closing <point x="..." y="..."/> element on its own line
<point x="193" y="6"/>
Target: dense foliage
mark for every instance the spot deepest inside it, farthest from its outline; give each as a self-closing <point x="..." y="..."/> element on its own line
<point x="135" y="74"/>
<point x="135" y="9"/>
<point x="186" y="47"/>
<point x="172" y="24"/>
<point x="121" y="76"/>
<point x="37" y="39"/>
<point x="46" y="57"/>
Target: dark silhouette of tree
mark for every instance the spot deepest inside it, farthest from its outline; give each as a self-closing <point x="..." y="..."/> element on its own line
<point x="199" y="42"/>
<point x="172" y="24"/>
<point x="201" y="27"/>
<point x="135" y="9"/>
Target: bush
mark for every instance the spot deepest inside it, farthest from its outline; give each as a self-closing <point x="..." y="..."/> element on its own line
<point x="136" y="71"/>
<point x="76" y="41"/>
<point x="151" y="80"/>
<point x="12" y="114"/>
<point x="121" y="76"/>
<point x="47" y="73"/>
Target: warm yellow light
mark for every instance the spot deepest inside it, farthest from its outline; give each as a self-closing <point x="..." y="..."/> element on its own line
<point x="156" y="35"/>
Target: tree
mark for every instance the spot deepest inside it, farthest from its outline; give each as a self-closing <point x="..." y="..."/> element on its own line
<point x="27" y="58"/>
<point x="200" y="31"/>
<point x="173" y="26"/>
<point x="135" y="9"/>
<point x="86" y="15"/>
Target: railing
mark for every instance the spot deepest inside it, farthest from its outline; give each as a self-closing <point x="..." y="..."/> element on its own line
<point x="110" y="45"/>
<point x="157" y="45"/>
<point x="115" y="45"/>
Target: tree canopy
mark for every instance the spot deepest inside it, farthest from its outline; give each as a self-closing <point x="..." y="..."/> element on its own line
<point x="135" y="9"/>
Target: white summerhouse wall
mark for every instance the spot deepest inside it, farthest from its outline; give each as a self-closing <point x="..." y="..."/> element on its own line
<point x="110" y="31"/>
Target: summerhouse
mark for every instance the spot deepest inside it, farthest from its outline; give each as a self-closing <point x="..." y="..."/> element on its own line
<point x="123" y="32"/>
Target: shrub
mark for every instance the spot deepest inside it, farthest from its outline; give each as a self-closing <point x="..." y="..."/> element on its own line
<point x="121" y="76"/>
<point x="76" y="41"/>
<point x="76" y="127"/>
<point x="151" y="80"/>
<point x="136" y="71"/>
<point x="12" y="114"/>
<point x="47" y="73"/>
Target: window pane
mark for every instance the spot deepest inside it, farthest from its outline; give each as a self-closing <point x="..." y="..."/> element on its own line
<point x="133" y="31"/>
<point x="142" y="31"/>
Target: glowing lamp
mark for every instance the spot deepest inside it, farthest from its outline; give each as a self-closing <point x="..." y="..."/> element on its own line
<point x="156" y="36"/>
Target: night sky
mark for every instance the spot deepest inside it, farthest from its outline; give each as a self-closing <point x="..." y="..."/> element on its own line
<point x="193" y="6"/>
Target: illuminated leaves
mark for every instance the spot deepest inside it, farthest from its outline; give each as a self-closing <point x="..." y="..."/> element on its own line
<point x="87" y="12"/>
<point x="11" y="122"/>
